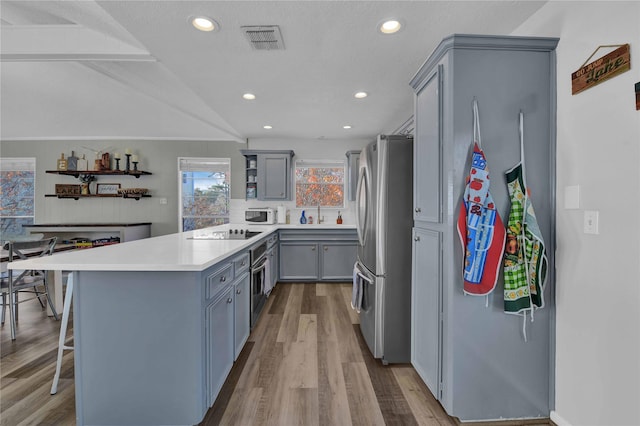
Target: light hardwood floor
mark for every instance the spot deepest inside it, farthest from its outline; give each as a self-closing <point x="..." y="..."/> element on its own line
<point x="305" y="364"/>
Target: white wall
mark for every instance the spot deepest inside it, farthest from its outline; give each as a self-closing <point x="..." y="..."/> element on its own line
<point x="598" y="148"/>
<point x="307" y="149"/>
<point x="157" y="157"/>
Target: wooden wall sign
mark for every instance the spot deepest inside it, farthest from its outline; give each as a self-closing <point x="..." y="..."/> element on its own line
<point x="602" y="69"/>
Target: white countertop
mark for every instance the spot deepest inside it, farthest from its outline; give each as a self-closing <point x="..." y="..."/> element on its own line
<point x="173" y="252"/>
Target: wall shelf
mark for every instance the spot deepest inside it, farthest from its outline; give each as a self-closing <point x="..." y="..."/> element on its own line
<point x="76" y="197"/>
<point x="77" y="173"/>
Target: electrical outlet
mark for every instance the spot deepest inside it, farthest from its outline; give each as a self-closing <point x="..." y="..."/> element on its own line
<point x="591" y="222"/>
<point x="163" y="201"/>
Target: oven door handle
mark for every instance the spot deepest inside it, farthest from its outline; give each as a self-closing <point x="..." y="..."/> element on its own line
<point x="259" y="268"/>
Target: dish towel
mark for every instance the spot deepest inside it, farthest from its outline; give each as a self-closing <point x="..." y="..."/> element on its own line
<point x="268" y="285"/>
<point x="356" y="291"/>
<point x="525" y="259"/>
<point x="480" y="227"/>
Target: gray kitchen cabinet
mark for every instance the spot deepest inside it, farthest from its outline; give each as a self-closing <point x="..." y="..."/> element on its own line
<point x="299" y="261"/>
<point x="269" y="178"/>
<point x="427" y="151"/>
<point x="317" y="255"/>
<point x="241" y="307"/>
<point x="337" y="260"/>
<point x="426" y="287"/>
<point x="219" y="318"/>
<point x="353" y="159"/>
<point x="465" y="346"/>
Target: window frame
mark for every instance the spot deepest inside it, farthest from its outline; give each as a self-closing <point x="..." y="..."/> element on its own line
<point x="319" y="163"/>
<point x="194" y="161"/>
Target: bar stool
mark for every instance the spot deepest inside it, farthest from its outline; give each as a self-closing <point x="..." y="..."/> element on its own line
<point x="63" y="332"/>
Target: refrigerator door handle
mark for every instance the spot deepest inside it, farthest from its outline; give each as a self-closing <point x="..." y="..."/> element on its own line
<point x="362" y="181"/>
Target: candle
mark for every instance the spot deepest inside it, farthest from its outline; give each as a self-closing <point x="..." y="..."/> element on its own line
<point x="134" y="158"/>
<point x="116" y="155"/>
<point x="127" y="151"/>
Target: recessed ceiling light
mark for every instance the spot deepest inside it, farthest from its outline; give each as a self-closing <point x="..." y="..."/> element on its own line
<point x="346" y="127"/>
<point x="249" y="96"/>
<point x="267" y="127"/>
<point x="204" y="24"/>
<point x="390" y="26"/>
<point x="360" y="95"/>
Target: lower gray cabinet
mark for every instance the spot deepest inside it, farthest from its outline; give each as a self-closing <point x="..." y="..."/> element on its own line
<point x="426" y="306"/>
<point x="337" y="261"/>
<point x="219" y="318"/>
<point x="299" y="261"/>
<point x="318" y="255"/>
<point x="241" y="306"/>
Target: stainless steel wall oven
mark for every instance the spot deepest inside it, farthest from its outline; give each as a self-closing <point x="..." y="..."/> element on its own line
<point x="258" y="256"/>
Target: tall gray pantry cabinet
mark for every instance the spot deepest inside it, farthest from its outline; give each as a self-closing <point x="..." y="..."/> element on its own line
<point x="473" y="357"/>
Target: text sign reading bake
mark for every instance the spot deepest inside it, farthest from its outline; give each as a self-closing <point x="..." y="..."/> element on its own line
<point x="601" y="69"/>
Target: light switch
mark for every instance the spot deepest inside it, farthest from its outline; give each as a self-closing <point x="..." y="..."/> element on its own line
<point x="163" y="201"/>
<point x="572" y="197"/>
<point x="591" y="222"/>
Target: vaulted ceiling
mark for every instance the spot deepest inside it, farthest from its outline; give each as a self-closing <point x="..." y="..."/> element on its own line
<point x="138" y="69"/>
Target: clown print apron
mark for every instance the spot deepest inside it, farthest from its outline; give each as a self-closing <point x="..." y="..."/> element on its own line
<point x="480" y="227"/>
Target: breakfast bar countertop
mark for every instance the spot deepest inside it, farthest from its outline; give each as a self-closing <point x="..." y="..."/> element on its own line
<point x="172" y="252"/>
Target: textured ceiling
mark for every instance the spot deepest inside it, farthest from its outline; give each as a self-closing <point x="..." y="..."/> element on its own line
<point x="138" y="69"/>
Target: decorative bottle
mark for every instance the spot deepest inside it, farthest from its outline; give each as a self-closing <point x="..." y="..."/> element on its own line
<point x="303" y="219"/>
<point x="339" y="219"/>
<point x="62" y="163"/>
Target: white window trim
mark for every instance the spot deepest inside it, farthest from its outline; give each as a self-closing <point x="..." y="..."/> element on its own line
<point x="179" y="175"/>
<point x="321" y="163"/>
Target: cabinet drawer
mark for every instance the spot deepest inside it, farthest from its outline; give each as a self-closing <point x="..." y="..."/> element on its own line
<point x="241" y="264"/>
<point x="218" y="280"/>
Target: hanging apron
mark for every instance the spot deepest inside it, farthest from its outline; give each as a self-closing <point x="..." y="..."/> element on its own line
<point x="479" y="225"/>
<point x="525" y="261"/>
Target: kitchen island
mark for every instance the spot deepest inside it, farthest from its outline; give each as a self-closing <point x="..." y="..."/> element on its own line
<point x="154" y="328"/>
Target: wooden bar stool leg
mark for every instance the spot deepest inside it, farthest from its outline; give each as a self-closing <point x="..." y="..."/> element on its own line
<point x="63" y="333"/>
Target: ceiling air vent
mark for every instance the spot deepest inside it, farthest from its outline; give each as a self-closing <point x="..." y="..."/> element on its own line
<point x="264" y="37"/>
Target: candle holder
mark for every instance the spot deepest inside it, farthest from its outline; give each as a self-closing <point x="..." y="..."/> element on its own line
<point x="127" y="167"/>
<point x="135" y="166"/>
<point x="117" y="164"/>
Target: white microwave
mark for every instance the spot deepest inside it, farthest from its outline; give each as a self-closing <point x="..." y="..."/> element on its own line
<point x="260" y="215"/>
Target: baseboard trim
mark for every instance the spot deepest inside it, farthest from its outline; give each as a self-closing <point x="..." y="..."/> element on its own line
<point x="557" y="419"/>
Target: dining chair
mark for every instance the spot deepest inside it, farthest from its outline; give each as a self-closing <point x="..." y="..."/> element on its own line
<point x="14" y="282"/>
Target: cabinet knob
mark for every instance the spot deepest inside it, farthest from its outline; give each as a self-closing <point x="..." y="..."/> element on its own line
<point x="223" y="278"/>
<point x="238" y="291"/>
<point x="244" y="262"/>
<point x="326" y="248"/>
<point x="418" y="209"/>
<point x="313" y="248"/>
<point x="229" y="300"/>
<point x="282" y="194"/>
<point x="416" y="238"/>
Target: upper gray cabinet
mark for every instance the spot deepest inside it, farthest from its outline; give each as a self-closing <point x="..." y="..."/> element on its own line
<point x="427" y="150"/>
<point x="353" y="158"/>
<point x="268" y="174"/>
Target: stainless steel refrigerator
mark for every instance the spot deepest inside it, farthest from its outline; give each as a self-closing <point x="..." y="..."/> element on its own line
<point x="384" y="202"/>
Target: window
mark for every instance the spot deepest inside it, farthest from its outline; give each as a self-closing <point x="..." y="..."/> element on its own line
<point x="320" y="182"/>
<point x="17" y="191"/>
<point x="204" y="192"/>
